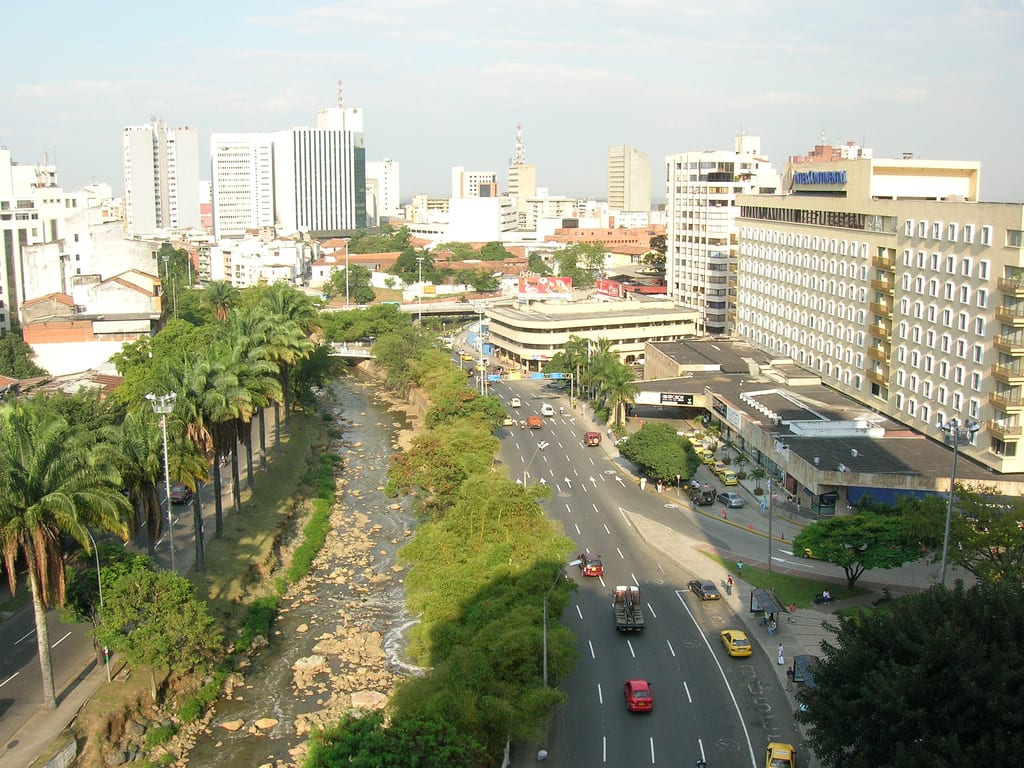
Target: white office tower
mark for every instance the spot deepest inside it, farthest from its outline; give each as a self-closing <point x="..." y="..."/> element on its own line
<point x="629" y="179"/>
<point x="473" y="183"/>
<point x="161" y="178"/>
<point x="320" y="174"/>
<point x="242" y="170"/>
<point x="701" y="231"/>
<point x="388" y="188"/>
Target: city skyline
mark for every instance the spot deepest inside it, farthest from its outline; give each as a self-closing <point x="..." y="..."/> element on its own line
<point x="444" y="84"/>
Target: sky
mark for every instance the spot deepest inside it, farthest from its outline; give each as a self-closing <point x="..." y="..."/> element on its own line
<point x="444" y="83"/>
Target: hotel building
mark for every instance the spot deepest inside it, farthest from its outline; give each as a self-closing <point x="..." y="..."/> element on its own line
<point x="891" y="281"/>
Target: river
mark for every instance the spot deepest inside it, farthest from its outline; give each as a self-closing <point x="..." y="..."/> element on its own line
<point x="344" y="624"/>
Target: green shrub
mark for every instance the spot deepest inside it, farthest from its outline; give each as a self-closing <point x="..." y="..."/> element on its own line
<point x="257" y="620"/>
<point x="159" y="735"/>
<point x="197" y="703"/>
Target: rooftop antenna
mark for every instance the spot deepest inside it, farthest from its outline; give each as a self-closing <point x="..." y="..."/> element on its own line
<point x="823" y="137"/>
<point x="341" y="100"/>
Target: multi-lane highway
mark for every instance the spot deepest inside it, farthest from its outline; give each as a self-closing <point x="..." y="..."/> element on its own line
<point x="707" y="705"/>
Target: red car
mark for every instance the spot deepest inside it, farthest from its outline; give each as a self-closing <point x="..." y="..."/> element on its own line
<point x="590" y="565"/>
<point x="592" y="438"/>
<point x="638" y="696"/>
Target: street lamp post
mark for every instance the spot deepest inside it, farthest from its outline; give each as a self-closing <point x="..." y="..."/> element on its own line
<point x="163" y="405"/>
<point x="769" y="504"/>
<point x="956" y="434"/>
<point x="480" y="346"/>
<point x="540" y="447"/>
<point x="419" y="286"/>
<point x="346" y="273"/>
<point x="546" y="596"/>
<point x="99" y="586"/>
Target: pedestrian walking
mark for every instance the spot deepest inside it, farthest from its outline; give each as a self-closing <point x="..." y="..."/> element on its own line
<point x="739" y="569"/>
<point x="782" y="655"/>
<point x="643" y="483"/>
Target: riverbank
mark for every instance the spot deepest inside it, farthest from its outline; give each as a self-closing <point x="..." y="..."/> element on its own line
<point x="335" y="643"/>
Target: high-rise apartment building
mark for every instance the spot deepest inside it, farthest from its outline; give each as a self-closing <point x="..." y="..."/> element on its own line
<point x="701" y="229"/>
<point x="242" y="174"/>
<point x="386" y="172"/>
<point x="161" y="178"/>
<point x="473" y="183"/>
<point x="629" y="179"/>
<point x="320" y="174"/>
<point x="893" y="283"/>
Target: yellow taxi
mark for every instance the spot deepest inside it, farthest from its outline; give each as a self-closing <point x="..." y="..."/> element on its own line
<point x="780" y="755"/>
<point x="728" y="477"/>
<point x="736" y="642"/>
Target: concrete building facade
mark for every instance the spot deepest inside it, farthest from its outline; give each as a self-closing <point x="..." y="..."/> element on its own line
<point x="629" y="179"/>
<point x="320" y="174"/>
<point x="242" y="175"/>
<point x="161" y="178"/>
<point x="890" y="280"/>
<point x="388" y="176"/>
<point x="701" y="231"/>
<point x="473" y="183"/>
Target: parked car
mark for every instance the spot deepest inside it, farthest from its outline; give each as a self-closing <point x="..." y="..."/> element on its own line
<point x="780" y="755"/>
<point x="728" y="477"/>
<point x="638" y="696"/>
<point x="180" y="493"/>
<point x="590" y="564"/>
<point x="730" y="499"/>
<point x="515" y="402"/>
<point x="702" y="497"/>
<point x="705" y="590"/>
<point x="736" y="642"/>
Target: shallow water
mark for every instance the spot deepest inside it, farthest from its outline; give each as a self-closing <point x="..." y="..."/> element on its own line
<point x="370" y="598"/>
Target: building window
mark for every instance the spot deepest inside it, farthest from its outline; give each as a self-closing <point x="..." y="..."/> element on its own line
<point x="929" y="363"/>
<point x="969" y="234"/>
<point x="965" y="266"/>
<point x="922" y="229"/>
<point x="915" y="359"/>
<point x="986" y="235"/>
<point x="934" y="264"/>
<point x="983" y="267"/>
<point x="976" y="381"/>
<point x="943" y="369"/>
<point x="982" y="298"/>
<point x="941" y="395"/>
<point x="961" y="321"/>
<point x="901" y="354"/>
<point x="950" y="265"/>
<point x="951" y="232"/>
<point x="926" y="389"/>
<point x="973" y="408"/>
<point x="965" y="294"/>
<point x="925" y="413"/>
<point x="908" y="227"/>
<point x="958" y="401"/>
<point x="979" y="353"/>
<point x="933" y="288"/>
<point x="979" y="326"/>
<point x="947" y="317"/>
<point x="936" y="230"/>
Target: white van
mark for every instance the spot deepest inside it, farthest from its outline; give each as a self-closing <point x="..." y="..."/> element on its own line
<point x="547" y="410"/>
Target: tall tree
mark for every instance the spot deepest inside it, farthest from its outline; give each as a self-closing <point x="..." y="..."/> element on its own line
<point x="936" y="681"/>
<point x="52" y="483"/>
<point x="221" y="296"/>
<point x="16" y="357"/>
<point x="858" y="542"/>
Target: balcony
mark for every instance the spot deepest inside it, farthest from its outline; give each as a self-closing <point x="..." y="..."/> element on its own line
<point x="885" y="310"/>
<point x="1007" y="400"/>
<point x="1005" y="431"/>
<point x="883" y="261"/>
<point x="1012" y="345"/>
<point x="1011" y="286"/>
<point x="879" y="354"/>
<point x="1008" y="374"/>
<point x="879" y="377"/>
<point x="885" y="286"/>
<point x="1012" y="315"/>
<point x="880" y="332"/>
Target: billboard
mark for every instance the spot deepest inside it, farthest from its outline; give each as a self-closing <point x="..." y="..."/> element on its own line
<point x="545" y="286"/>
<point x="610" y="288"/>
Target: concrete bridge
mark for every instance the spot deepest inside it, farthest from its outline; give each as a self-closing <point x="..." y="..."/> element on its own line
<point x="350" y="351"/>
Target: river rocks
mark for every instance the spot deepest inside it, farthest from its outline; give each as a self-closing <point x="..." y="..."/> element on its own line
<point x="302" y="628"/>
<point x="233" y="725"/>
<point x="266" y="723"/>
<point x="369" y="700"/>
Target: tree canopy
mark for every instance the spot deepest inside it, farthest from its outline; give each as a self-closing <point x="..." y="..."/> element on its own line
<point x="582" y="262"/>
<point x="660" y="453"/>
<point x="935" y="681"/>
<point x="858" y="542"/>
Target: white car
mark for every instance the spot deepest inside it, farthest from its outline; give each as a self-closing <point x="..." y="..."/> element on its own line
<point x="515" y="402"/>
<point x="547" y="410"/>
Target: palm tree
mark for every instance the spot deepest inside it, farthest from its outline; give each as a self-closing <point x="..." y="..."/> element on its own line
<point x="618" y="388"/>
<point x="575" y="354"/>
<point x="285" y="345"/>
<point x="220" y="296"/>
<point x="52" y="483"/>
<point x="139" y="459"/>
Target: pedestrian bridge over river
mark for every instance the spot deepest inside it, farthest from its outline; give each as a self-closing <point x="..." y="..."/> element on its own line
<point x="352" y="351"/>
